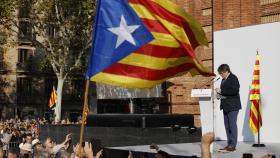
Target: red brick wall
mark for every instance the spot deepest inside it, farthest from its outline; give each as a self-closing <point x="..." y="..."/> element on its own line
<point x="235" y="13"/>
<point x="227" y="14"/>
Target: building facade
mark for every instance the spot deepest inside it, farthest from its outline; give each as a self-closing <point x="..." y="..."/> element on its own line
<point x="25" y="87"/>
<point x="217" y="15"/>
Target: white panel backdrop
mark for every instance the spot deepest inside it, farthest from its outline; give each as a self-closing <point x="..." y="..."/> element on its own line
<point x="237" y="47"/>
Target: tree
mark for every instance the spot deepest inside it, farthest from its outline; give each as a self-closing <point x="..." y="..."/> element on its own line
<point x="3" y="85"/>
<point x="7" y="10"/>
<point x="63" y="30"/>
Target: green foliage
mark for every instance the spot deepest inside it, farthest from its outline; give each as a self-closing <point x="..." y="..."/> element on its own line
<point x="61" y="28"/>
<point x="3" y="37"/>
<point x="3" y="84"/>
<point x="7" y="8"/>
<point x="66" y="29"/>
<point x="38" y="64"/>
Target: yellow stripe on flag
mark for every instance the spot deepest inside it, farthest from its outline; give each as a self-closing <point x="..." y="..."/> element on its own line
<point x="257" y="67"/>
<point x="194" y="24"/>
<point x="254" y="110"/>
<point x="119" y="80"/>
<point x="177" y="31"/>
<point x="162" y="39"/>
<point x="256" y="77"/>
<point x="142" y="11"/>
<point x="150" y="62"/>
<point x="255" y="86"/>
<point x="255" y="97"/>
<point x="252" y="126"/>
<point x="200" y="66"/>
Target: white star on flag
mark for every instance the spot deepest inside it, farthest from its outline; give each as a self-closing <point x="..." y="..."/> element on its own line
<point x="124" y="32"/>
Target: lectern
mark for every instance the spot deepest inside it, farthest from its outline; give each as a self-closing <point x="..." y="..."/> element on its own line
<point x="206" y="108"/>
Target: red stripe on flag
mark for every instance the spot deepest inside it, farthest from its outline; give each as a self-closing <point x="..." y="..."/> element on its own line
<point x="256" y="82"/>
<point x="257" y="106"/>
<point x="256" y="72"/>
<point x="252" y="115"/>
<point x="161" y="51"/>
<point x="173" y="18"/>
<point x="190" y="51"/>
<point x="145" y="73"/>
<point x="254" y="119"/>
<point x="255" y="91"/>
<point x="154" y="26"/>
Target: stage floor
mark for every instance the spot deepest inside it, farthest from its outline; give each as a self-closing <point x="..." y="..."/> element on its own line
<point x="193" y="149"/>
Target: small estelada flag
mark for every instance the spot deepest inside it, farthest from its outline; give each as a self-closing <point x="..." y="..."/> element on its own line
<point x="53" y="98"/>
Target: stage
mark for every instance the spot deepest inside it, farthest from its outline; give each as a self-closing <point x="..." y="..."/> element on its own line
<point x="193" y="149"/>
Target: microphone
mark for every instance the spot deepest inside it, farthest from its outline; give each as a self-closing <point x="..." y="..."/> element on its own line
<point x="217" y="79"/>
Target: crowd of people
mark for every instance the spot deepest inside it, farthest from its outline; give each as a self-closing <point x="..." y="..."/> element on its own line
<point x="20" y="139"/>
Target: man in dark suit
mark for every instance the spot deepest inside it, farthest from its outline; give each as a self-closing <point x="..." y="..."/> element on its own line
<point x="230" y="104"/>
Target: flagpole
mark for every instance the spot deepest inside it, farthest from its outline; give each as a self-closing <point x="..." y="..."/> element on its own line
<point x="85" y="109"/>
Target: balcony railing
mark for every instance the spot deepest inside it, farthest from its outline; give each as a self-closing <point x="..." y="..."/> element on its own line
<point x="22" y="66"/>
<point x="25" y="38"/>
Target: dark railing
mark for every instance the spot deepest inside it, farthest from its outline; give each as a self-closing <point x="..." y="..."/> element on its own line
<point x="13" y="144"/>
<point x="25" y="38"/>
<point x="21" y="66"/>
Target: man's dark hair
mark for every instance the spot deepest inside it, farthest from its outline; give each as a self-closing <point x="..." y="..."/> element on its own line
<point x="14" y="150"/>
<point x="28" y="135"/>
<point x="223" y="68"/>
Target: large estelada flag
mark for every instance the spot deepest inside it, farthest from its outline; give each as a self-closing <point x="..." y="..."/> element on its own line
<point x="255" y="120"/>
<point x="141" y="43"/>
<point x="53" y="98"/>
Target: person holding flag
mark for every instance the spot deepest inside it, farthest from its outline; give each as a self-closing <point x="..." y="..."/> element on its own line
<point x="230" y="104"/>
